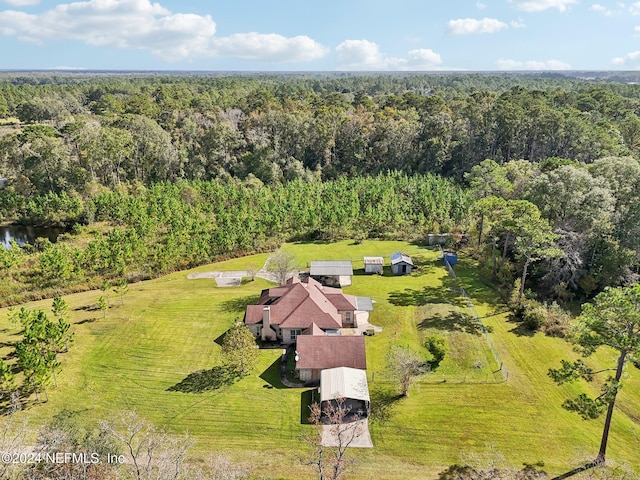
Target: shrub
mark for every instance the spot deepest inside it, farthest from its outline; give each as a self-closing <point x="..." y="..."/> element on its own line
<point x="436" y="345"/>
<point x="557" y="321"/>
<point x="534" y="315"/>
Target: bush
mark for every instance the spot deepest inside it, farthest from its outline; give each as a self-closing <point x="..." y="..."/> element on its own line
<point x="436" y="346"/>
<point x="557" y="321"/>
<point x="534" y="315"/>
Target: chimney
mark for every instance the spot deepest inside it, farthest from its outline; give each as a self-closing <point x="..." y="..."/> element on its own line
<point x="266" y="322"/>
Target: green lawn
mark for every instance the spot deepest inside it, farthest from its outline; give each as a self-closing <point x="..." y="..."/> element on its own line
<point x="156" y="354"/>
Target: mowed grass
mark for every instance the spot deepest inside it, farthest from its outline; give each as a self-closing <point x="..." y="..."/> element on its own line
<point x="144" y="355"/>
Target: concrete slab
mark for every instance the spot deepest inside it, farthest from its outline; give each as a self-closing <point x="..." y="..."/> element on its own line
<point x="229" y="281"/>
<point x="356" y="434"/>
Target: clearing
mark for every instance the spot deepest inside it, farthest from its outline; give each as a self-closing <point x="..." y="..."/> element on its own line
<point x="156" y="354"/>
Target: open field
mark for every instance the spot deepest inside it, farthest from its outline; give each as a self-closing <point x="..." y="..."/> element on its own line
<point x="156" y="354"/>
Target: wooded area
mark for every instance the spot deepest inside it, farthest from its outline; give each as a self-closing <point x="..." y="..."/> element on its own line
<point x="182" y="170"/>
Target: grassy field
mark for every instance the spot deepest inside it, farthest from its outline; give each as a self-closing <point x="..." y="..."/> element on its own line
<point x="156" y="354"/>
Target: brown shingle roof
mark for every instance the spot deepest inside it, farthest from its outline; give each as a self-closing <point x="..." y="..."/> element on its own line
<point x="299" y="304"/>
<point x="331" y="351"/>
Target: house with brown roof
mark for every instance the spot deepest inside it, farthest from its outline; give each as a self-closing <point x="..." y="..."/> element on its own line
<point x="286" y="312"/>
<point x="315" y="353"/>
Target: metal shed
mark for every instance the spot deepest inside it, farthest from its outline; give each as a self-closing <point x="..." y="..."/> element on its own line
<point x="373" y="264"/>
<point x="401" y="264"/>
<point x="333" y="273"/>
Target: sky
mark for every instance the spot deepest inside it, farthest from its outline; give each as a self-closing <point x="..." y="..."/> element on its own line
<point x="314" y="35"/>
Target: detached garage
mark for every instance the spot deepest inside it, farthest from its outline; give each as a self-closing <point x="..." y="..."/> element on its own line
<point x="349" y="384"/>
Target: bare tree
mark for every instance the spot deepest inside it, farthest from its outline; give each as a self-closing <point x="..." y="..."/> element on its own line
<point x="336" y="428"/>
<point x="13" y="433"/>
<point x="252" y="271"/>
<point x="220" y="467"/>
<point x="404" y="365"/>
<point x="152" y="454"/>
<point x="281" y="264"/>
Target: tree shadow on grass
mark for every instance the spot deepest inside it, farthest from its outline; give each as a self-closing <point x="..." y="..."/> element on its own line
<point x="86" y="320"/>
<point x="206" y="380"/>
<point x="382" y="403"/>
<point x="520" y="329"/>
<point x="412" y="297"/>
<point x="238" y="304"/>
<point x="455" y="321"/>
<point x="272" y="375"/>
<point x="94" y="307"/>
<point x="576" y="471"/>
<point x="423" y="266"/>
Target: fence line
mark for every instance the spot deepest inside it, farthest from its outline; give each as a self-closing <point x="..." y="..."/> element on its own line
<point x="476" y="318"/>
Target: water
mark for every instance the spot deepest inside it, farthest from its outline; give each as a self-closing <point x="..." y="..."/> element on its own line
<point x="22" y="234"/>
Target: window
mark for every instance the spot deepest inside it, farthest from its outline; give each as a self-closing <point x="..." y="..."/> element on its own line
<point x="294" y="334"/>
<point x="348" y="317"/>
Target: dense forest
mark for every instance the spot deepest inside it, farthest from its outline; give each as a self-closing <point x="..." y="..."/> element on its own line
<point x="157" y="172"/>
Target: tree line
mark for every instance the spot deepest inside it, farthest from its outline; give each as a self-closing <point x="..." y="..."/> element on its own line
<point x="142" y="232"/>
<point x="76" y="134"/>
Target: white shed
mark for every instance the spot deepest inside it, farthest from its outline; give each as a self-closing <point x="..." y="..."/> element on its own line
<point x="373" y="264"/>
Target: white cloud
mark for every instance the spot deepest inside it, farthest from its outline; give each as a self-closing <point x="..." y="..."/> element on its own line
<point x="628" y="58"/>
<point x="532" y="65"/>
<point x="22" y="3"/>
<point x="596" y="7"/>
<point x="608" y="12"/>
<point x="517" y="24"/>
<point x="466" y="26"/>
<point x="540" y="5"/>
<point x="269" y="47"/>
<point x="481" y="5"/>
<point x="360" y="54"/>
<point x="142" y="25"/>
<point x="421" y="59"/>
<point x="634" y="8"/>
<point x="366" y="55"/>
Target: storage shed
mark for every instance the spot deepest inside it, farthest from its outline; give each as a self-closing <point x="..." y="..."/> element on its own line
<point x="332" y="273"/>
<point x="401" y="264"/>
<point x="373" y="264"/>
<point x="451" y="258"/>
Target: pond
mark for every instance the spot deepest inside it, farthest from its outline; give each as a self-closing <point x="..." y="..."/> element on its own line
<point x="22" y="234"/>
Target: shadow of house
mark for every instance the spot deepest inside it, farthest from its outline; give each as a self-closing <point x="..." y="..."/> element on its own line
<point x="220" y="338"/>
<point x="307" y="398"/>
<point x="205" y="380"/>
<point x="272" y="374"/>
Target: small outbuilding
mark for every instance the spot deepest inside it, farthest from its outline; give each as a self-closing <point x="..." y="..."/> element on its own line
<point x="450" y="257"/>
<point x="332" y="273"/>
<point x="401" y="264"/>
<point x="348" y="384"/>
<point x="373" y="264"/>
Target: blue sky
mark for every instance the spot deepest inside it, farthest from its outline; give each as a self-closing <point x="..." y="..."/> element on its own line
<point x="329" y="35"/>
